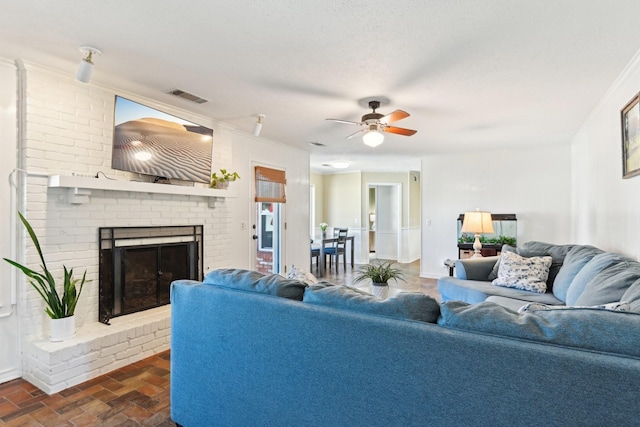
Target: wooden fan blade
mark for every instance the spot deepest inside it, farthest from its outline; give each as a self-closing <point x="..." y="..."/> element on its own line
<point x="394" y="117"/>
<point x="357" y="133"/>
<point x="399" y="131"/>
<point x="344" y="121"/>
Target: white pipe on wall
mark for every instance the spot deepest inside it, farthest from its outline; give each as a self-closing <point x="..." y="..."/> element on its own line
<point x="21" y="116"/>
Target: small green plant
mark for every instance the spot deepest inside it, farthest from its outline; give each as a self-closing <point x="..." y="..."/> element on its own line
<point x="222" y="177"/>
<point x="379" y="272"/>
<point x="44" y="283"/>
<point x="323" y="226"/>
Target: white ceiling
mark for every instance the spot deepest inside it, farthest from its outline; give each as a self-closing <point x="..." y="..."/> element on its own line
<point x="473" y="74"/>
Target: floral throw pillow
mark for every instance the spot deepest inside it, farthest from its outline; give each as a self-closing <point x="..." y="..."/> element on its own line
<point x="527" y="274"/>
<point x="301" y="276"/>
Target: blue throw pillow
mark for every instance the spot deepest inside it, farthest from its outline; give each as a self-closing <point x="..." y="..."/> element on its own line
<point x="632" y="294"/>
<point x="590" y="270"/>
<point x="587" y="328"/>
<point x="610" y="284"/>
<point x="575" y="259"/>
<point x="405" y="305"/>
<point x="254" y="281"/>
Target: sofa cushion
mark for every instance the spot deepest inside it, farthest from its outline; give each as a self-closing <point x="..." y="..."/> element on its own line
<point x="557" y="252"/>
<point x="529" y="274"/>
<point x="475" y="268"/>
<point x="586" y="274"/>
<point x="254" y="281"/>
<point x="575" y="259"/>
<point x="472" y="291"/>
<point x="588" y="328"/>
<point x="405" y="305"/>
<point x="633" y="296"/>
<point x="610" y="284"/>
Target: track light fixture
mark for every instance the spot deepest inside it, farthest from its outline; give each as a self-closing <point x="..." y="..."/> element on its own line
<point x="258" y="126"/>
<point x="86" y="64"/>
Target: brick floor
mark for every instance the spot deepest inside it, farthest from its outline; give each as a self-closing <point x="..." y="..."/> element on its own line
<point x="135" y="395"/>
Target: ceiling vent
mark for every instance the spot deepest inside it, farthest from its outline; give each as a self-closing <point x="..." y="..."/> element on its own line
<point x="188" y="96"/>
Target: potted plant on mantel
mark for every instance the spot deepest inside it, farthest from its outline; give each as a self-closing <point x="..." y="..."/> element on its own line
<point x="223" y="179"/>
<point x="60" y="309"/>
<point x="379" y="272"/>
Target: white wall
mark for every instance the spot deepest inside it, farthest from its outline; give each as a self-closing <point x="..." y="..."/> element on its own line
<point x="9" y="342"/>
<point x="247" y="151"/>
<point x="533" y="183"/>
<point x="605" y="207"/>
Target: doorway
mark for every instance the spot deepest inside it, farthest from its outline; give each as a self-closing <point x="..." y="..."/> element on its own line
<point x="384" y="219"/>
<point x="268" y="237"/>
<point x="268" y="220"/>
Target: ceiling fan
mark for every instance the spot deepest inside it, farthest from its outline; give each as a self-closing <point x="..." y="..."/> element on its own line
<point x="375" y="123"/>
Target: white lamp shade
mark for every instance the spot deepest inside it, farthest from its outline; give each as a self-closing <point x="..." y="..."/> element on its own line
<point x="373" y="138"/>
<point x="477" y="222"/>
<point x="84" y="71"/>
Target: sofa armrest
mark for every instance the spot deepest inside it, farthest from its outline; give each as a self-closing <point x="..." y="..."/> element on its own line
<point x="475" y="268"/>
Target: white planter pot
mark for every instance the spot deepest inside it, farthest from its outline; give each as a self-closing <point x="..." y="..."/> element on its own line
<point x="381" y="290"/>
<point x="62" y="329"/>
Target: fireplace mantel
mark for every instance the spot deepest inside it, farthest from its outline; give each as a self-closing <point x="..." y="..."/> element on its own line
<point x="80" y="188"/>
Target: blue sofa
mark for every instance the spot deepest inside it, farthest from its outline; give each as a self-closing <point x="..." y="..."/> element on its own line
<point x="254" y="350"/>
<point x="580" y="275"/>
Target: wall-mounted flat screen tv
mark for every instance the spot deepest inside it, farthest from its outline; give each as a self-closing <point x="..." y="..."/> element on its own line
<point x="151" y="142"/>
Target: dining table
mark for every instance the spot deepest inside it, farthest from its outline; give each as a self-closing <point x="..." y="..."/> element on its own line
<point x="328" y="241"/>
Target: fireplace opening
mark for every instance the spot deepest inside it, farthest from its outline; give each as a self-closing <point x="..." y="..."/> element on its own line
<point x="138" y="264"/>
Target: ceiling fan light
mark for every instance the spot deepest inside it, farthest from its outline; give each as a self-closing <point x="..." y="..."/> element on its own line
<point x="373" y="138"/>
<point x="340" y="164"/>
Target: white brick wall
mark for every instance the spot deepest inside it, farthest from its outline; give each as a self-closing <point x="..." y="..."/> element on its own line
<point x="69" y="131"/>
<point x="96" y="350"/>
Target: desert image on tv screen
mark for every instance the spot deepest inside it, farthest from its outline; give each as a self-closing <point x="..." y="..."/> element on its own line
<point x="151" y="142"/>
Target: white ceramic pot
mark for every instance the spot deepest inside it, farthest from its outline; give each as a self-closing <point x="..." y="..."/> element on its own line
<point x="62" y="329"/>
<point x="381" y="290"/>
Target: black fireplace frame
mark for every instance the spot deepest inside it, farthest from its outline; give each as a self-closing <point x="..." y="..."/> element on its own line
<point x="113" y="241"/>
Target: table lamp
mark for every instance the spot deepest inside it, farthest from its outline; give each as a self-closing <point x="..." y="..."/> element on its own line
<point x="478" y="223"/>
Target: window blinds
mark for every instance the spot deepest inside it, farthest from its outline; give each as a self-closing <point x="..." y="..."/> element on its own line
<point x="270" y="185"/>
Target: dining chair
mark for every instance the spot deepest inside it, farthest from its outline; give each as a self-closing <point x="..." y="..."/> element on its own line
<point x="315" y="253"/>
<point x="337" y="248"/>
